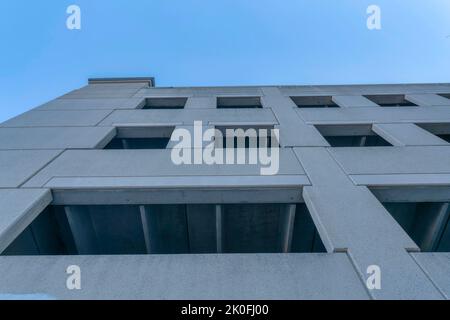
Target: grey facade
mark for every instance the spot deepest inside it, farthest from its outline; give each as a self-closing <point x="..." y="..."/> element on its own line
<point x="364" y="180"/>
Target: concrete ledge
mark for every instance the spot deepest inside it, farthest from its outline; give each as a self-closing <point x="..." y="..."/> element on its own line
<point x="198" y="277"/>
<point x="18" y="208"/>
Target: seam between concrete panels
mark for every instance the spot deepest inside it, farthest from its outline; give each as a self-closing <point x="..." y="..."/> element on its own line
<point x="42" y="168"/>
<point x="360" y="274"/>
<point x="428" y="276"/>
<point x="103" y="119"/>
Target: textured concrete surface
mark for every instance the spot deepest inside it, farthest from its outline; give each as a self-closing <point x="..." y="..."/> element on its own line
<point x="289" y="276"/>
<point x="54" y="155"/>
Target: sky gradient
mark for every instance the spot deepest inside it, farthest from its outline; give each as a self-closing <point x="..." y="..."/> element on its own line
<point x="220" y="42"/>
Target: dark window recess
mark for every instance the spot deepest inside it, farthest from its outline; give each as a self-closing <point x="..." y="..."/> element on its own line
<point x="441" y="130"/>
<point x="445" y="95"/>
<point x="140" y="138"/>
<point x="390" y="100"/>
<point x="315" y="102"/>
<point x="239" y="103"/>
<point x="138" y="143"/>
<point x="231" y="141"/>
<point x="427" y="223"/>
<point x="351" y="136"/>
<point x="169" y="229"/>
<point x="164" y="103"/>
<point x="445" y="137"/>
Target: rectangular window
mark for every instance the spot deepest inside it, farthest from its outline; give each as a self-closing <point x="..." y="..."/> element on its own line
<point x="169" y="229"/>
<point x="140" y="138"/>
<point x="164" y="103"/>
<point x="315" y="102"/>
<point x="239" y="103"/>
<point x="390" y="100"/>
<point x="423" y="213"/>
<point x="351" y="136"/>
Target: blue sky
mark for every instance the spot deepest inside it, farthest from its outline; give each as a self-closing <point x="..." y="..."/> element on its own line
<point x="217" y="42"/>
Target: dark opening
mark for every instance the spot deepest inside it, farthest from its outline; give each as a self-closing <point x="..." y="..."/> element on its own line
<point x="427" y="223"/>
<point x="138" y="143"/>
<point x="315" y="102"/>
<point x="169" y="229"/>
<point x="391" y="100"/>
<point x="239" y="103"/>
<point x="140" y="138"/>
<point x="164" y="103"/>
<point x="351" y="136"/>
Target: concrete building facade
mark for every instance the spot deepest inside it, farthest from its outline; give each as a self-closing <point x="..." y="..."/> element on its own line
<point x="362" y="191"/>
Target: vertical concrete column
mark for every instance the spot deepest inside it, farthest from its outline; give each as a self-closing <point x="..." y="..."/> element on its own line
<point x="293" y="131"/>
<point x="350" y="219"/>
<point x="219" y="228"/>
<point x="354" y="102"/>
<point x="428" y="100"/>
<point x="407" y="134"/>
<point x="288" y="219"/>
<point x="145" y="228"/>
<point x="83" y="230"/>
<point x="201" y="102"/>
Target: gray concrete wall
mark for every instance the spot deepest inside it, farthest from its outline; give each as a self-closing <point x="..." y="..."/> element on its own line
<point x="53" y="155"/>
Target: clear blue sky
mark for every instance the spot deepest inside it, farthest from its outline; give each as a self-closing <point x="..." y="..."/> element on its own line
<point x="217" y="42"/>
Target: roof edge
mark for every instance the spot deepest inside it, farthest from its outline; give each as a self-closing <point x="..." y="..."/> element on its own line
<point x="148" y="80"/>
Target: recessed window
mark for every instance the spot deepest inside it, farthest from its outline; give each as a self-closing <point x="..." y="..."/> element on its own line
<point x="315" y="102"/>
<point x="239" y="103"/>
<point x="247" y="136"/>
<point x="169" y="229"/>
<point x="351" y="136"/>
<point x="141" y="138"/>
<point x="441" y="130"/>
<point x="391" y="100"/>
<point x="422" y="213"/>
<point x="164" y="103"/>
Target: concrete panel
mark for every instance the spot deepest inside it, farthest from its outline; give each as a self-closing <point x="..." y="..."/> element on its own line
<point x="201" y="103"/>
<point x="406" y="179"/>
<point x="147" y="163"/>
<point x="399" y="160"/>
<point x="293" y="132"/>
<point x="198" y="277"/>
<point x="437" y="267"/>
<point x="199" y="91"/>
<point x="110" y="90"/>
<point x="18" y="208"/>
<point x="428" y="100"/>
<point x="57" y="118"/>
<point x="375" y="115"/>
<point x="16" y="166"/>
<point x="54" y="138"/>
<point x="407" y="134"/>
<point x="353" y="101"/>
<point x="263" y="116"/>
<point x="91" y="104"/>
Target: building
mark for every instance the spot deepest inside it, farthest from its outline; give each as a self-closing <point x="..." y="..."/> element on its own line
<point x="362" y="194"/>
